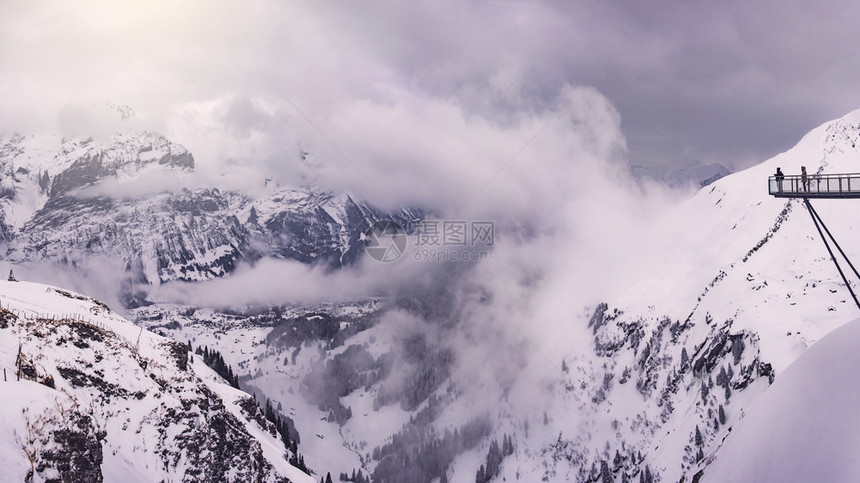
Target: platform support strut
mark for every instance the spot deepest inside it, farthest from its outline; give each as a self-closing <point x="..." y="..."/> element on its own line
<point x="819" y="223"/>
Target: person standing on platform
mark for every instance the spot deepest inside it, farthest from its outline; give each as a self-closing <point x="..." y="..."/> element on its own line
<point x="779" y="177"/>
<point x="804" y="180"/>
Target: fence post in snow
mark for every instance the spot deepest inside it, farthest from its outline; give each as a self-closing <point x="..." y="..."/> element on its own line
<point x="18" y="361"/>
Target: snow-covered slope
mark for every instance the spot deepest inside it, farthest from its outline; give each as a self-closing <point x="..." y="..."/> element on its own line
<point x="99" y="397"/>
<point x="806" y="427"/>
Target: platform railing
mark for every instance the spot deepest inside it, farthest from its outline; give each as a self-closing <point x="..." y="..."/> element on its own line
<point x="817" y="186"/>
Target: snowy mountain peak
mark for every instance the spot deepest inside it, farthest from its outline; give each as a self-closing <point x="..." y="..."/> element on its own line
<point x="37" y="167"/>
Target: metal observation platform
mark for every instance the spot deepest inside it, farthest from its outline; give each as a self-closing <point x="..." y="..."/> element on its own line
<point x="817" y="186"/>
<point x="821" y="186"/>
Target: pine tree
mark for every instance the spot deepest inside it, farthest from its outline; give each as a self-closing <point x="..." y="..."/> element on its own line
<point x="722" y="415"/>
<point x="270" y="413"/>
<point x="480" y="477"/>
<point x="685" y="359"/>
<point x="721" y="377"/>
<point x="617" y="461"/>
<point x="328" y="478"/>
<point x="698" y="438"/>
<point x="605" y="474"/>
<point x="494" y="460"/>
<point x="507" y="445"/>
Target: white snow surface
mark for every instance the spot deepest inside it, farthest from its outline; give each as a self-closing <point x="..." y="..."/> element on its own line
<point x="806" y="426"/>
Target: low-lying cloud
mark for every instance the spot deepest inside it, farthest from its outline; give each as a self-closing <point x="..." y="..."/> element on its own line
<point x="305" y="95"/>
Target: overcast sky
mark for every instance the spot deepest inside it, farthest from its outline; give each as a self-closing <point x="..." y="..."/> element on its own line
<point x="256" y="82"/>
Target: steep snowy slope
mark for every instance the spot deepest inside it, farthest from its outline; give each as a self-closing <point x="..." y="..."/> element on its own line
<point x="734" y="257"/>
<point x="99" y="397"/>
<point x="734" y="250"/>
<point x="805" y="427"/>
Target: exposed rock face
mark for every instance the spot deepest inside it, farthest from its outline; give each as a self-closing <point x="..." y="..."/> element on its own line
<point x="73" y="451"/>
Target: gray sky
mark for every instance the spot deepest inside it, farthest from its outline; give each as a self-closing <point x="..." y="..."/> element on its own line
<point x="400" y="89"/>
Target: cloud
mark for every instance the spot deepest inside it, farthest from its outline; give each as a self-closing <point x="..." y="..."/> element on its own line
<point x="709" y="83"/>
<point x="99" y="120"/>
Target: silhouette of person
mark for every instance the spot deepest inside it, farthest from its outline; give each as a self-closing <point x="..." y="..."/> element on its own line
<point x="779" y="177"/>
<point x="804" y="180"/>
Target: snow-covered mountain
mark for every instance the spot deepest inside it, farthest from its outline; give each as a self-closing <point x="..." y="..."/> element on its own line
<point x="89" y="396"/>
<point x="72" y="200"/>
<point x="649" y="381"/>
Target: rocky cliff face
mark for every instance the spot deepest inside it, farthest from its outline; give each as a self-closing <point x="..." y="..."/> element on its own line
<point x="54" y="210"/>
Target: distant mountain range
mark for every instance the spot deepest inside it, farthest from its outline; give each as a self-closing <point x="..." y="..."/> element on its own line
<point x="698" y="175"/>
<point x="70" y="200"/>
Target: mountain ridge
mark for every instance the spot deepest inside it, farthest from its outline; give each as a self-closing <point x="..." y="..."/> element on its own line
<point x="101" y="398"/>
